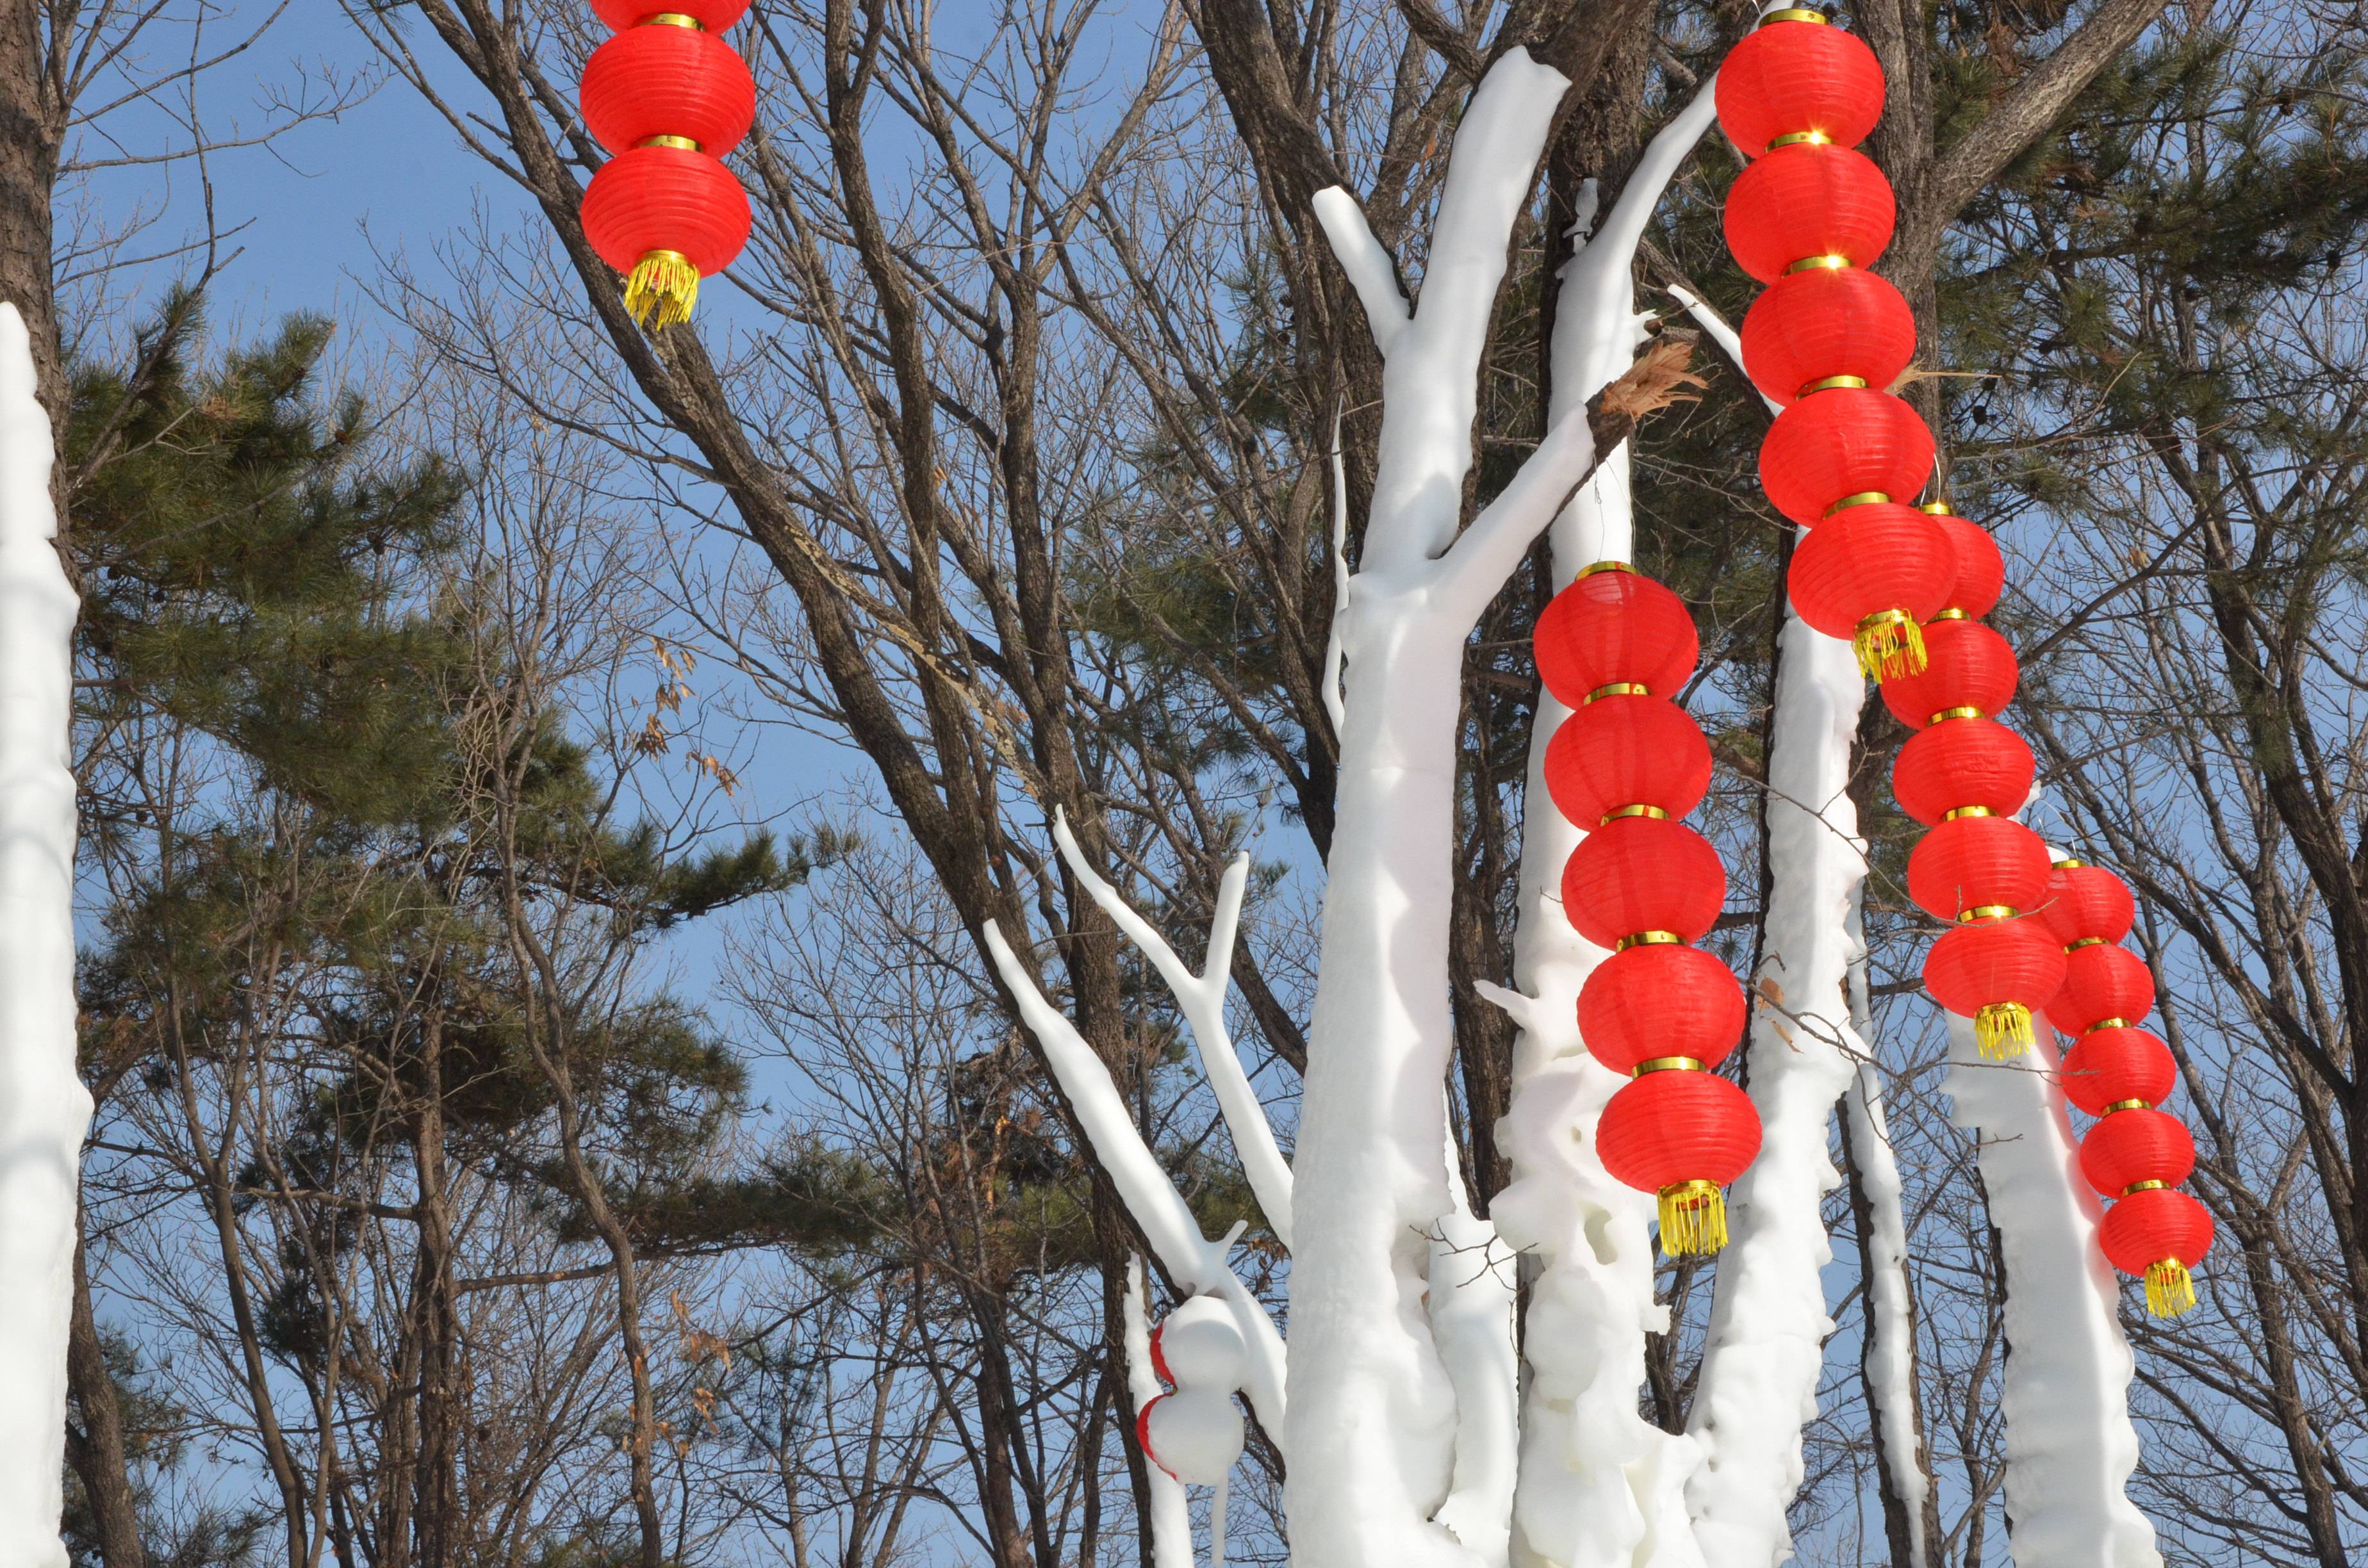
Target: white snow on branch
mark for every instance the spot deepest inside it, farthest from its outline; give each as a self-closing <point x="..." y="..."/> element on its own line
<point x="1363" y="258"/>
<point x="1769" y="1323"/>
<point x="1890" y="1315"/>
<point x="1201" y="999"/>
<point x="1159" y="1210"/>
<point x="44" y="1110"/>
<point x="2070" y="1443"/>
<point x="1472" y="1292"/>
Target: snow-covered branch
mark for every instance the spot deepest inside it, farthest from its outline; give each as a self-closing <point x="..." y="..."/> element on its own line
<point x="1159" y="1210"/>
<point x="1371" y="271"/>
<point x="1201" y="999"/>
<point x="44" y="1110"/>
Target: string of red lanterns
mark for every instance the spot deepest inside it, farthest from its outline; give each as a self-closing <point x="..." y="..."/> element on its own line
<point x="2135" y="1155"/>
<point x="1908" y="585"/>
<point x="668" y="98"/>
<point x="1841" y="458"/>
<point x="1615" y="647"/>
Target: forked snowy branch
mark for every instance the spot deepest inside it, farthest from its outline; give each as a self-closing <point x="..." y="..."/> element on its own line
<point x="1201" y="999"/>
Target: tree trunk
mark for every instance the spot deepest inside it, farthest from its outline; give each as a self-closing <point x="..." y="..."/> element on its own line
<point x="94" y="1444"/>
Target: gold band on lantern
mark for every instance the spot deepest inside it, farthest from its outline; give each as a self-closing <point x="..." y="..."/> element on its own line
<point x="1665" y="1064"/>
<point x="1647" y="939"/>
<point x="1956" y="812"/>
<point x="1792" y="13"/>
<point x="2083" y="942"/>
<point x="1829" y="261"/>
<point x="1864" y="498"/>
<point x="1947" y="713"/>
<point x="1616" y="689"/>
<point x="1792" y="138"/>
<point x="2126" y="1105"/>
<point x="2144" y="1187"/>
<point x="2106" y="1024"/>
<point x="1603" y="566"/>
<point x="1936" y="509"/>
<point x="672" y="19"/>
<point x="1987" y="912"/>
<point x="679" y="143"/>
<point x="1953" y="612"/>
<point x="1655" y="812"/>
<point x="1829" y="384"/>
<point x="2070" y="865"/>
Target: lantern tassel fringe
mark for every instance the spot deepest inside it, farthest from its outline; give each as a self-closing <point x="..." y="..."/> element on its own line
<point x="1693" y="1219"/>
<point x="1889" y="646"/>
<point x="2170" y="1288"/>
<point x="2002" y="1030"/>
<point x="663" y="290"/>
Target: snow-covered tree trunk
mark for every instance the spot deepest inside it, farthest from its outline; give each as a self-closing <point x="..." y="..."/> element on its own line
<point x="2070" y="1446"/>
<point x="1598" y="1480"/>
<point x="1372" y="1433"/>
<point x="44" y="1108"/>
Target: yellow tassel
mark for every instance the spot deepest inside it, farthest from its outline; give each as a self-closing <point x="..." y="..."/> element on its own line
<point x="662" y="290"/>
<point x="2170" y="1290"/>
<point x="1890" y="645"/>
<point x="1693" y="1219"/>
<point x="2002" y="1029"/>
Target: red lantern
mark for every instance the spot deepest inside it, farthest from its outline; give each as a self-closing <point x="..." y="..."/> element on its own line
<point x="666" y="218"/>
<point x="1870" y="576"/>
<point x="2161" y="1236"/>
<point x="1844" y="445"/>
<point x="2113" y="1067"/>
<point x="1968" y="670"/>
<point x="1978" y="863"/>
<point x="1996" y="973"/>
<point x="1620" y="752"/>
<point x="2101" y="983"/>
<point x="1838" y="325"/>
<point x="1962" y="762"/>
<point x="2085" y="902"/>
<point x="676" y="82"/>
<point x="1797" y="74"/>
<point x="1808" y="205"/>
<point x="1981" y="570"/>
<point x="1660" y="1001"/>
<point x="1683" y="1135"/>
<point x="1642" y="877"/>
<point x="1615" y="628"/>
<point x="713" y="15"/>
<point x="2133" y="1146"/>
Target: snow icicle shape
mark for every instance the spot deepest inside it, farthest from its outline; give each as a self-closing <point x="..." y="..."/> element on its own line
<point x="1804" y="217"/>
<point x="1614" y="647"/>
<point x="668" y="98"/>
<point x="2119" y="1073"/>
